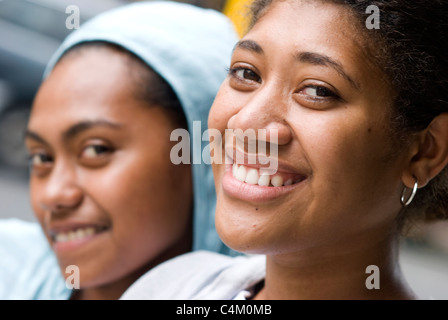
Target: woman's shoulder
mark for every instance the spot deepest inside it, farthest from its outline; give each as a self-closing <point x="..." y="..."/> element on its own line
<point x="198" y="275"/>
<point x="28" y="267"/>
<point x="21" y="240"/>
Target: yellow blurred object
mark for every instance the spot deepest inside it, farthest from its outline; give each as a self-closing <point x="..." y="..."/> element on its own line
<point x="238" y="12"/>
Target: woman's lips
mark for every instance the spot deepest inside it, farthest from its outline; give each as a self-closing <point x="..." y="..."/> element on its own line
<point x="252" y="184"/>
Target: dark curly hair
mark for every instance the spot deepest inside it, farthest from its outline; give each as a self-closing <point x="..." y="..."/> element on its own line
<point x="411" y="48"/>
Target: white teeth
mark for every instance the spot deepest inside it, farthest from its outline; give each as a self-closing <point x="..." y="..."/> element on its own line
<point x="277" y="181"/>
<point x="74" y="235"/>
<point x="234" y="169"/>
<point x="71" y="236"/>
<point x="252" y="176"/>
<point x="61" y="237"/>
<point x="80" y="233"/>
<point x="264" y="180"/>
<point x="255" y="177"/>
<point x="241" y="173"/>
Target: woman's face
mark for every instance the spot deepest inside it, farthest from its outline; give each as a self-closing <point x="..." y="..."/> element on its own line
<point x="102" y="184"/>
<point x="302" y="72"/>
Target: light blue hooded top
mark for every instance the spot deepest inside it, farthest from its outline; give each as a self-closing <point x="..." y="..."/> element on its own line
<point x="190" y="47"/>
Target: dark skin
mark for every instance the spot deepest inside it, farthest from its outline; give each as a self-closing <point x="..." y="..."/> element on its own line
<point x="102" y="184"/>
<point x="331" y="112"/>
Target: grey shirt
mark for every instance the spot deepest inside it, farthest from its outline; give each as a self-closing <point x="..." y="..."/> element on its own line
<point x="199" y="275"/>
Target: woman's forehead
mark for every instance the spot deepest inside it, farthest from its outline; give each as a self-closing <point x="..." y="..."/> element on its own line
<point x="90" y="73"/>
<point x="291" y="29"/>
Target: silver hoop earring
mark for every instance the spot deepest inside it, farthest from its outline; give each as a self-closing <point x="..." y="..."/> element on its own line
<point x="411" y="197"/>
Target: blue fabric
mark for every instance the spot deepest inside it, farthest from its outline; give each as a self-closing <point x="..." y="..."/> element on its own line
<point x="190" y="48"/>
<point x="28" y="268"/>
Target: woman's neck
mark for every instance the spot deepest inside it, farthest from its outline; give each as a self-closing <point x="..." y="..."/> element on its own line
<point x="337" y="273"/>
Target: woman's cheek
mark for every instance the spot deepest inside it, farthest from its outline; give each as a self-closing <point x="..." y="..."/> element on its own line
<point x="226" y="105"/>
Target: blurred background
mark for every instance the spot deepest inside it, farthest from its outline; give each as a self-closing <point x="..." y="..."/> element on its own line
<point x="30" y="32"/>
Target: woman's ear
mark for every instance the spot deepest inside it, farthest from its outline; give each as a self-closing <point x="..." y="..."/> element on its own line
<point x="430" y="154"/>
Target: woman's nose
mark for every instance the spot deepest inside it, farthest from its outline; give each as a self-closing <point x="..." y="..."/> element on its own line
<point x="265" y="110"/>
<point x="61" y="191"/>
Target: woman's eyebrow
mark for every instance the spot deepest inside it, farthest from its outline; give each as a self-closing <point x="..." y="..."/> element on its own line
<point x="34" y="136"/>
<point x="249" y="45"/>
<point x="323" y="60"/>
<point x="83" y="126"/>
<point x="74" y="130"/>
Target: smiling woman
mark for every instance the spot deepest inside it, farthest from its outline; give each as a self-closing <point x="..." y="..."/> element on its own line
<point x="84" y="144"/>
<point x="362" y="122"/>
<point x="109" y="200"/>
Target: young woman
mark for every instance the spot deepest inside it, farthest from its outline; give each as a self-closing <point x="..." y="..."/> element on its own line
<point x="359" y="119"/>
<point x="104" y="188"/>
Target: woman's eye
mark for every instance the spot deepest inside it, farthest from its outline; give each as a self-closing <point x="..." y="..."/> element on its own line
<point x="40" y="163"/>
<point x="40" y="159"/>
<point x="245" y="74"/>
<point x="318" y="92"/>
<point x="94" y="151"/>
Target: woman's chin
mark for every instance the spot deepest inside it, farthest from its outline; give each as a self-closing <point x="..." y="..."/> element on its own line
<point x="242" y="238"/>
